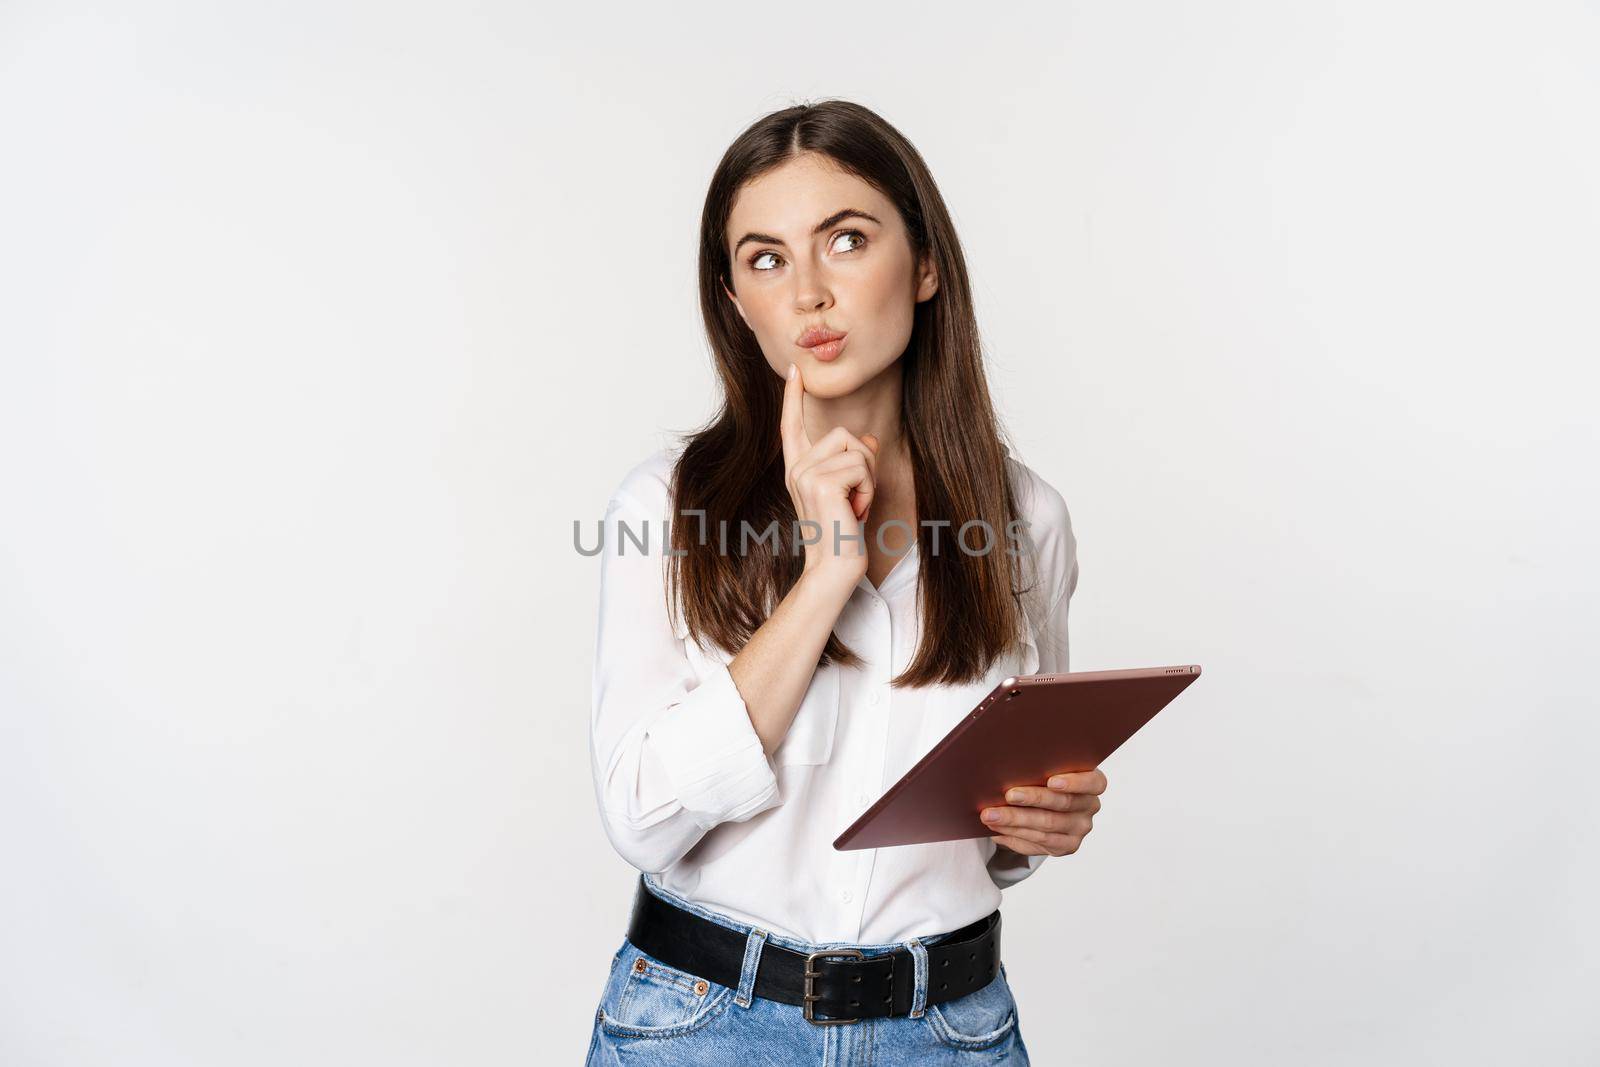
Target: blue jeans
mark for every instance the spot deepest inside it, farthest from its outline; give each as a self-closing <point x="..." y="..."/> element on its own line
<point x="654" y="1014"/>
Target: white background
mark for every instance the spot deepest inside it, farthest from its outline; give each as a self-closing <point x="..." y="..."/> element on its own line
<point x="323" y="322"/>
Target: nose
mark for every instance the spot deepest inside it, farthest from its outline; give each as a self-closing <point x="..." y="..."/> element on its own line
<point x="811" y="291"/>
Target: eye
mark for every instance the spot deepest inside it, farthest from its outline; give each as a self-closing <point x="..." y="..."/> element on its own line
<point x="854" y="233"/>
<point x="842" y="233"/>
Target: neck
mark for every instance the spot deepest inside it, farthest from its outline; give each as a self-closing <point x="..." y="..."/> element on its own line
<point x="874" y="408"/>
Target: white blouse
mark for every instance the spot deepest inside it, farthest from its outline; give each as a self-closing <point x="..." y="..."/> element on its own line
<point x="687" y="793"/>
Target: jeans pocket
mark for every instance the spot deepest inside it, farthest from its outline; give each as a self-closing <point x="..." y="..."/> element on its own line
<point x="646" y="998"/>
<point x="979" y="1020"/>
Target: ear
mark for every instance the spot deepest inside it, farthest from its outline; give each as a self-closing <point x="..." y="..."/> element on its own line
<point x="928" y="282"/>
<point x="737" y="306"/>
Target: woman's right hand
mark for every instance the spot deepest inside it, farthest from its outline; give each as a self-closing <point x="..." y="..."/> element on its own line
<point x="831" y="482"/>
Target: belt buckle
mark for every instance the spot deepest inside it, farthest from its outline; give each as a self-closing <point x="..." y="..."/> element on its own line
<point x="810" y="986"/>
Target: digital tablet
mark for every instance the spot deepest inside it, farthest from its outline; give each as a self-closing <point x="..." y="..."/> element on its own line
<point x="1026" y="730"/>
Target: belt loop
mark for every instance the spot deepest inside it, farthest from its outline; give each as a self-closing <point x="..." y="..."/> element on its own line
<point x="752" y="962"/>
<point x="919" y="986"/>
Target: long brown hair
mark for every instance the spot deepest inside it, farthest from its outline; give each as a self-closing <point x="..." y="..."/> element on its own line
<point x="732" y="469"/>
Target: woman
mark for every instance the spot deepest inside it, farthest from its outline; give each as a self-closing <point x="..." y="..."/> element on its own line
<point x="753" y="695"/>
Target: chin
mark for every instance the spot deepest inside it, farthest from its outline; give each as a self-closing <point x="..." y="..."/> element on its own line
<point x="830" y="380"/>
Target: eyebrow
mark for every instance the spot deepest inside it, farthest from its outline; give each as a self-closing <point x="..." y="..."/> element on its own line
<point x="831" y="220"/>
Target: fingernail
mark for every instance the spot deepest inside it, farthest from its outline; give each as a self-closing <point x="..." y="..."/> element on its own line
<point x="1015" y="794"/>
<point x="1057" y="783"/>
<point x="791" y="372"/>
<point x="991" y="816"/>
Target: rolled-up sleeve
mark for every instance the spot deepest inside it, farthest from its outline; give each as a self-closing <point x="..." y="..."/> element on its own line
<point x="673" y="750"/>
<point x="1060" y="548"/>
<point x="711" y="753"/>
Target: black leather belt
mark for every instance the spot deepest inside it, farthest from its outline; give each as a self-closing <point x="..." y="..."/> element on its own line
<point x="834" y="985"/>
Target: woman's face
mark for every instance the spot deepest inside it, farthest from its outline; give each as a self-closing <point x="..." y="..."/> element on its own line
<point x="803" y="255"/>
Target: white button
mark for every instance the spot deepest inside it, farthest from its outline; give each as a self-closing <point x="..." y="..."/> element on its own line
<point x="872" y="697"/>
<point x="861" y="798"/>
<point x="845" y="896"/>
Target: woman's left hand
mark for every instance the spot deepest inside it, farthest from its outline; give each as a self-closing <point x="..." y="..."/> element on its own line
<point x="1048" y="820"/>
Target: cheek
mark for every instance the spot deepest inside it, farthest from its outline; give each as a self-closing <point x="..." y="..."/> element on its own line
<point x="765" y="317"/>
<point x="887" y="312"/>
<point x="889" y="294"/>
<point x="764" y="312"/>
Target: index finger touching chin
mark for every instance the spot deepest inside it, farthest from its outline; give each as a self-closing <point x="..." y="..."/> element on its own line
<point x="792" y="423"/>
